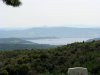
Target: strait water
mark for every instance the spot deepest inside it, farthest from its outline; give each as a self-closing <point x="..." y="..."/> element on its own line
<point x="58" y="41"/>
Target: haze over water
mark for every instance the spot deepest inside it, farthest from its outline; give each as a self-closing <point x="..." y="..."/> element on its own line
<point x="58" y="41"/>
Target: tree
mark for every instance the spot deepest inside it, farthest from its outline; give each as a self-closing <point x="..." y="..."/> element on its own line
<point x="3" y="72"/>
<point x="13" y="3"/>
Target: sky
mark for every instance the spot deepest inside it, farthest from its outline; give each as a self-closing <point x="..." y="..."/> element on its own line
<point x="48" y="13"/>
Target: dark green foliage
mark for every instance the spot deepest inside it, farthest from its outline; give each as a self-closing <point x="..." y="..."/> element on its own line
<point x="13" y="3"/>
<point x="51" y="61"/>
<point x="3" y="72"/>
<point x="25" y="46"/>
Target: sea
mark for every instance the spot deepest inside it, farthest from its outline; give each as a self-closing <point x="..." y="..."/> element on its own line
<point x="58" y="41"/>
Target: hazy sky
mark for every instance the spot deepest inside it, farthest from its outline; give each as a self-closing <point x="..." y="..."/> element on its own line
<point x="35" y="13"/>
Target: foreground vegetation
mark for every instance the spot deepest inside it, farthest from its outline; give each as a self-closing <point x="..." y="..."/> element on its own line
<point x="51" y="61"/>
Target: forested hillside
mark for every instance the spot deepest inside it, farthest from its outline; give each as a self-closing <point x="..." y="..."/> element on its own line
<point x="17" y="43"/>
<point x="52" y="61"/>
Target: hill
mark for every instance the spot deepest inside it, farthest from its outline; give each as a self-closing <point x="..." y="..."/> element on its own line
<point x="95" y="39"/>
<point x="53" y="32"/>
<point x="17" y="43"/>
<point x="52" y="61"/>
<point x="14" y="41"/>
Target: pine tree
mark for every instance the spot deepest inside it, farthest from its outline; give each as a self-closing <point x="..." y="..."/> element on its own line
<point x="13" y="3"/>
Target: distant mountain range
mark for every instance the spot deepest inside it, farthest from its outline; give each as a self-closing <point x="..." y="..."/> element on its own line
<point x="17" y="43"/>
<point x="21" y="36"/>
<point x="41" y="32"/>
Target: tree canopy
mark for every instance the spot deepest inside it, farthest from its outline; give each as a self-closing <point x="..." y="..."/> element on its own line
<point x="13" y="3"/>
<point x="54" y="61"/>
